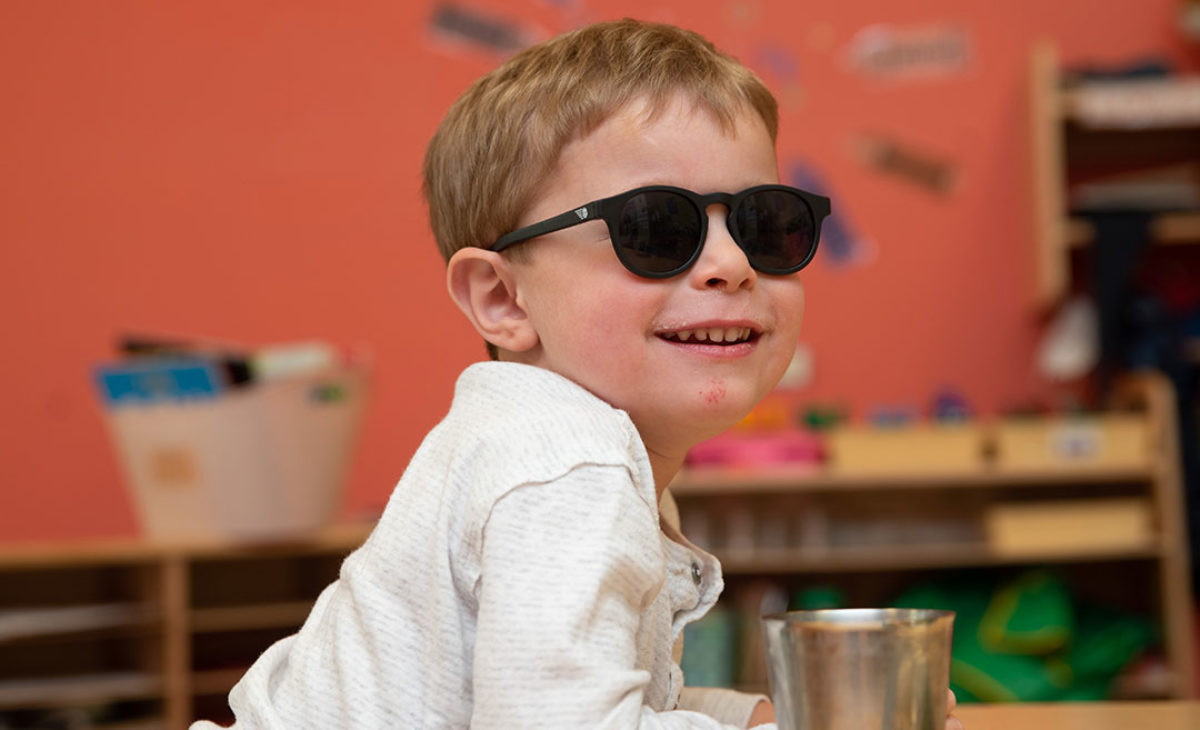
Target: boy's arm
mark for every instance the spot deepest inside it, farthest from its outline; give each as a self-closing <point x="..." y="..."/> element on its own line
<point x="567" y="569"/>
<point x="729" y="706"/>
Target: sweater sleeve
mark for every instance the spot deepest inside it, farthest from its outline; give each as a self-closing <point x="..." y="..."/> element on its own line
<point x="567" y="568"/>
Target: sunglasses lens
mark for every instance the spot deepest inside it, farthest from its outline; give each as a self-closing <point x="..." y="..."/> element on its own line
<point x="777" y="229"/>
<point x="658" y="232"/>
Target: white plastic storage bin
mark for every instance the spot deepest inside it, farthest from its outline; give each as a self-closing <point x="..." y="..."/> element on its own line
<point x="259" y="462"/>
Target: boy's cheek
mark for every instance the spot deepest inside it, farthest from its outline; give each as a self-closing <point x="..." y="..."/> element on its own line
<point x="788" y="303"/>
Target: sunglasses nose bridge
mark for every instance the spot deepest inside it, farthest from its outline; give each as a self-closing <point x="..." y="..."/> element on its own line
<point x="721" y="259"/>
<point x="706" y="204"/>
<point x="721" y="202"/>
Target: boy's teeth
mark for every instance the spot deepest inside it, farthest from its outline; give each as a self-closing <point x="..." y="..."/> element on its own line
<point x="713" y="334"/>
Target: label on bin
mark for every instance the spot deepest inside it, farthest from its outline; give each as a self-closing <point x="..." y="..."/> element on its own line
<point x="158" y="380"/>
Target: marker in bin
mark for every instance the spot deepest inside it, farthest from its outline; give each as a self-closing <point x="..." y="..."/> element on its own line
<point x="158" y="369"/>
<point x="159" y="380"/>
<point x="232" y="366"/>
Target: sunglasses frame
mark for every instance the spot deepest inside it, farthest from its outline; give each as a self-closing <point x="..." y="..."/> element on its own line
<point x="609" y="210"/>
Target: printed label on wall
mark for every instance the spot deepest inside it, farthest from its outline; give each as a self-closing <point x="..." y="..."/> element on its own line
<point x="890" y="52"/>
<point x="906" y="162"/>
<point x="455" y="22"/>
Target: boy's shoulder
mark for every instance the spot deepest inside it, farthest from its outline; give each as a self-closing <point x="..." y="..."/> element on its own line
<point x="531" y="401"/>
<point x="521" y="416"/>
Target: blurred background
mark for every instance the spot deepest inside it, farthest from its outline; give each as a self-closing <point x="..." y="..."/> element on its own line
<point x="228" y="331"/>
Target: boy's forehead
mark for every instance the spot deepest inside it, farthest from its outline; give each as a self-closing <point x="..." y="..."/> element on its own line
<point x="679" y="107"/>
<point x="636" y="122"/>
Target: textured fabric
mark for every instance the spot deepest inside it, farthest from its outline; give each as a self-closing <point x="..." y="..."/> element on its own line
<point x="518" y="578"/>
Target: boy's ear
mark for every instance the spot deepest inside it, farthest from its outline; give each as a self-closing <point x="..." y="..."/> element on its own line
<point x="483" y="286"/>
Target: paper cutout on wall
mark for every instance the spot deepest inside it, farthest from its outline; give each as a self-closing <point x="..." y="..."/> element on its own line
<point x="742" y="14"/>
<point x="779" y="63"/>
<point x="906" y="162"/>
<point x="495" y="35"/>
<point x="893" y="53"/>
<point x="840" y="245"/>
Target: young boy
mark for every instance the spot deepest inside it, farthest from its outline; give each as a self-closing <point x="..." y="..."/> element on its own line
<point x="521" y="575"/>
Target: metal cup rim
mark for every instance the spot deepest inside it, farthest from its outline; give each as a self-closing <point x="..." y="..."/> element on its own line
<point x="858" y="616"/>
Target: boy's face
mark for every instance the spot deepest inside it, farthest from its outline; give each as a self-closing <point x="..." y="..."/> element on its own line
<point x="617" y="334"/>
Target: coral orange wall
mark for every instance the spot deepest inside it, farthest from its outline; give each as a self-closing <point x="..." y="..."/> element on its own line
<point x="250" y="171"/>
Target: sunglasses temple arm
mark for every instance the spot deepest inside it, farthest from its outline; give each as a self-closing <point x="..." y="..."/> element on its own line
<point x="550" y="225"/>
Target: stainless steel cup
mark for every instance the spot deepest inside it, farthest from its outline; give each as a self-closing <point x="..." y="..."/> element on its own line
<point x="859" y="669"/>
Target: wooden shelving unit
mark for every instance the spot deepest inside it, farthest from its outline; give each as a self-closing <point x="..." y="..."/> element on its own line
<point x="961" y="504"/>
<point x="158" y="633"/>
<point x="910" y="557"/>
<point x="1072" y="148"/>
<point x="790" y="480"/>
<point x="1064" y="152"/>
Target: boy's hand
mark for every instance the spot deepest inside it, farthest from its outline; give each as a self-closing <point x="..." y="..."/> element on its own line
<point x="764" y="712"/>
<point x="952" y="722"/>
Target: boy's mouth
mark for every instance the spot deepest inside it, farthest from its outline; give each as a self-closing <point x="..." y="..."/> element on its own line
<point x="723" y="336"/>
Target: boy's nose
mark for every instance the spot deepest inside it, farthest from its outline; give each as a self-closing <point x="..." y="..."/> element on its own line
<point x="722" y="263"/>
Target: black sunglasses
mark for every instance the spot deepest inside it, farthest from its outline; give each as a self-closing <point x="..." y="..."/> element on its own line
<point x="658" y="231"/>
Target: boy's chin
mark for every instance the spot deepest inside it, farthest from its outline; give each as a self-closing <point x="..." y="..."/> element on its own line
<point x="711" y="419"/>
<point x="691" y="420"/>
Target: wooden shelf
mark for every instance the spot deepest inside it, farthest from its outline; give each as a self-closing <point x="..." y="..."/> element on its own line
<point x="792" y="480"/>
<point x="39" y="622"/>
<point x="216" y="681"/>
<point x="134" y="551"/>
<point x="150" y="611"/>
<point x="258" y="616"/>
<point x="1165" y="229"/>
<point x="1125" y="94"/>
<point x="1064" y="151"/>
<point x="79" y="690"/>
<point x="908" y="557"/>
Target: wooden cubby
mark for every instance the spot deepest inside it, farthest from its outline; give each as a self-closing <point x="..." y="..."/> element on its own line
<point x="1066" y="152"/>
<point x="143" y="635"/>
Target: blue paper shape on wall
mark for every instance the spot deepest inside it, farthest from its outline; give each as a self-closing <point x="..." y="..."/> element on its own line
<point x="840" y="245"/>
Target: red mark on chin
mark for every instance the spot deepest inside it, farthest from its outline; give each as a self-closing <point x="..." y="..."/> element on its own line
<point x="716" y="392"/>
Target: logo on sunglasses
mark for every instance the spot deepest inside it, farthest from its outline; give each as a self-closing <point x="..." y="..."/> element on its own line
<point x="582" y="213"/>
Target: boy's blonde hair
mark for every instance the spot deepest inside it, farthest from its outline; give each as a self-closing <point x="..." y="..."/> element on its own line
<point x="500" y="141"/>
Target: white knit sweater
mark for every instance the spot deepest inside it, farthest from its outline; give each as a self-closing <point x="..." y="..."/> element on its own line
<point x="519" y="578"/>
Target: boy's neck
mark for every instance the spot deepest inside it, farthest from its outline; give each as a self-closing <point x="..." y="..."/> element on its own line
<point x="664" y="469"/>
